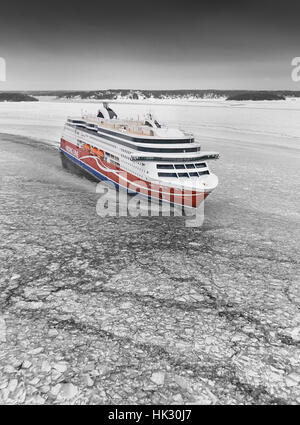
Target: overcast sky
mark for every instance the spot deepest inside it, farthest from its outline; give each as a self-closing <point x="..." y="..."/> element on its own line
<point x="149" y="44"/>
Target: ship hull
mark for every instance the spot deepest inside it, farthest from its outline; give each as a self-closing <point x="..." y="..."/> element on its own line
<point x="101" y="170"/>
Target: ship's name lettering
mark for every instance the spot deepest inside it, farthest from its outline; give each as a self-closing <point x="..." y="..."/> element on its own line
<point x="72" y="151"/>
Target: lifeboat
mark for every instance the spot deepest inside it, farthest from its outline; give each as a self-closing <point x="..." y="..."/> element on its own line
<point x="86" y="147"/>
<point x="94" y="151"/>
<point x="100" y="153"/>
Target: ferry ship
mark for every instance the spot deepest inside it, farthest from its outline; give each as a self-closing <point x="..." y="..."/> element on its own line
<point x="140" y="156"/>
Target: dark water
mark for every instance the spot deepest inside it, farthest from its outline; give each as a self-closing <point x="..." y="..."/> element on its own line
<point x="150" y="310"/>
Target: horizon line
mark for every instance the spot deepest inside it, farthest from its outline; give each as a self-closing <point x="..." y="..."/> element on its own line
<point x="151" y="90"/>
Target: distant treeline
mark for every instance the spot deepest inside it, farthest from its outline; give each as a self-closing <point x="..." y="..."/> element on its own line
<point x="257" y="96"/>
<point x="16" y="97"/>
<point x="114" y="94"/>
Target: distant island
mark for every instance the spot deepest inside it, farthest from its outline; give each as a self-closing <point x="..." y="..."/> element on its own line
<point x="16" y="97"/>
<point x="256" y="96"/>
<point x="184" y="95"/>
<point x="147" y="95"/>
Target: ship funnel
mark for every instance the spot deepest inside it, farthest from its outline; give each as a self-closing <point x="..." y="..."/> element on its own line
<point x="106" y="112"/>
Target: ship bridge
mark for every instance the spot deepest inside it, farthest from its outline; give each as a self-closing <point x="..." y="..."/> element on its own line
<point x="169" y="157"/>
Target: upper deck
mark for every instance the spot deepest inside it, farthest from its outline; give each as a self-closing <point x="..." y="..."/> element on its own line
<point x="148" y="130"/>
<point x="135" y="128"/>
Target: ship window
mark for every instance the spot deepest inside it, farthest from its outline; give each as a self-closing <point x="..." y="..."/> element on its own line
<point x="193" y="174"/>
<point x="157" y="124"/>
<point x="163" y="150"/>
<point x="179" y="166"/>
<point x="166" y="166"/>
<point x="167" y="175"/>
<point x="100" y="115"/>
<point x="190" y="166"/>
<point x="201" y="173"/>
<point x="183" y="175"/>
<point x="160" y="159"/>
<point x="148" y="124"/>
<point x="201" y="165"/>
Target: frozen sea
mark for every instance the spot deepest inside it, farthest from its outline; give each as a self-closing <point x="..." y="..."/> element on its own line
<point x="145" y="310"/>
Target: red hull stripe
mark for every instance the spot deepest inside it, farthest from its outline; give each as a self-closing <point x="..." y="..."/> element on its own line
<point x="130" y="182"/>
